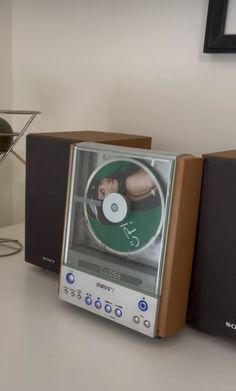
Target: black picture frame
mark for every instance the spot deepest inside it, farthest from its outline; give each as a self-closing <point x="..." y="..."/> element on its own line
<point x="216" y="41"/>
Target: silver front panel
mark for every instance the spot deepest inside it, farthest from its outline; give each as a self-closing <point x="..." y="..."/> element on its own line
<point x="128" y="307"/>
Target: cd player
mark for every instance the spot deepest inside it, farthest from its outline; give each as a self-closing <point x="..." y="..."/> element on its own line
<point x="129" y="235"/>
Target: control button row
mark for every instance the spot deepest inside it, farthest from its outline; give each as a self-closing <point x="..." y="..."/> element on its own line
<point x="107" y="307"/>
<point x="66" y="291"/>
<point x="146" y="323"/>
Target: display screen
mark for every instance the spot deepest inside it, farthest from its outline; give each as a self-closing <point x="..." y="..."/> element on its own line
<point x="117" y="216"/>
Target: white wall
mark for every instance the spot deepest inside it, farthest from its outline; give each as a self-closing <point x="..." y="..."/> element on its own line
<point x="124" y="65"/>
<point x="5" y="103"/>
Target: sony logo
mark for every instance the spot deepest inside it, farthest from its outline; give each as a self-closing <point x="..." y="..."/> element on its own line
<point x="231" y="325"/>
<point x="105" y="287"/>
<point x="46" y="259"/>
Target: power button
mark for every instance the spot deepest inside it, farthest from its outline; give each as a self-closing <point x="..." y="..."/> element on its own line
<point x="143" y="305"/>
<point x="70" y="278"/>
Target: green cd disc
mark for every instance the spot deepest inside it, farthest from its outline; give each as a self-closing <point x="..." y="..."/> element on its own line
<point x="125" y="206"/>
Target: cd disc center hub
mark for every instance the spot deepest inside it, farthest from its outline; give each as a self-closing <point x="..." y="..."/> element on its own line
<point x="115" y="207"/>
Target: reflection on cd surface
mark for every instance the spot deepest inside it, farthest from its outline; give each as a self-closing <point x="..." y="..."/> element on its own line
<point x="132" y="205"/>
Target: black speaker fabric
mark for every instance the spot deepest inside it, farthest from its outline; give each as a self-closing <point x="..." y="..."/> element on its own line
<point x="46" y="181"/>
<point x="212" y="304"/>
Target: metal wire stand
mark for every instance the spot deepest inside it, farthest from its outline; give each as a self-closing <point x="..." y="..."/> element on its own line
<point x="13" y="246"/>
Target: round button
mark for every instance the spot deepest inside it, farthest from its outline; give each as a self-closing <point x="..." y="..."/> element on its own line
<point x="98" y="304"/>
<point x="108" y="308"/>
<point x="72" y="293"/>
<point x="70" y="278"/>
<point x="88" y="300"/>
<point x="66" y="291"/>
<point x="118" y="312"/>
<point x="146" y="323"/>
<point x="143" y="305"/>
<point x="115" y="207"/>
<point x="136" y="319"/>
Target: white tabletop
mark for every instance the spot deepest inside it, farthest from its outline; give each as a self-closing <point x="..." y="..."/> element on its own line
<point x="47" y="344"/>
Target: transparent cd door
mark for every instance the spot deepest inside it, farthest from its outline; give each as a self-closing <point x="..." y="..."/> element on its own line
<point x="117" y="215"/>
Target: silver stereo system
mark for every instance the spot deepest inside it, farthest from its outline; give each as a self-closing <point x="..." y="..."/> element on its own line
<point x="118" y="250"/>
